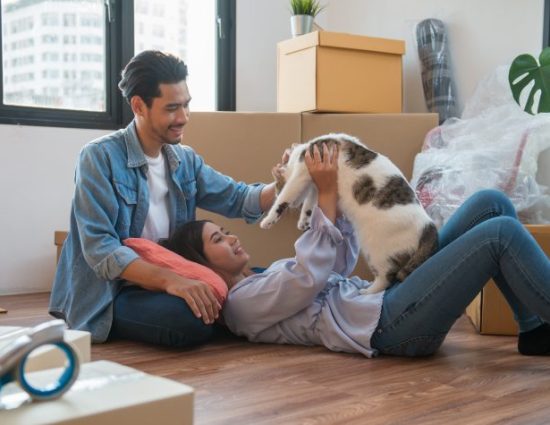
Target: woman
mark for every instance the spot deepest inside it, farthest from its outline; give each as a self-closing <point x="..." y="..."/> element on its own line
<point x="310" y="299"/>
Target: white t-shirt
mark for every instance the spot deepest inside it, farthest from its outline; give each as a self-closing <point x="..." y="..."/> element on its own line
<point x="157" y="223"/>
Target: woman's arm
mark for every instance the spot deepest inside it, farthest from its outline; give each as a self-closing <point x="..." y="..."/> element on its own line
<point x="347" y="252"/>
<point x="324" y="173"/>
<point x="288" y="286"/>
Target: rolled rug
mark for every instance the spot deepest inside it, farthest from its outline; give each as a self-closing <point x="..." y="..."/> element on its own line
<point x="437" y="82"/>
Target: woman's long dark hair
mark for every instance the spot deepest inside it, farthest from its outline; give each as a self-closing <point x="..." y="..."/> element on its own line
<point x="187" y="241"/>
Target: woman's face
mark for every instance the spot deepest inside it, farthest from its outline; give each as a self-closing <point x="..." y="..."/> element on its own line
<point x="223" y="250"/>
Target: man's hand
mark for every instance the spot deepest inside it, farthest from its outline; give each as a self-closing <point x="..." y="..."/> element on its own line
<point x="324" y="173"/>
<point x="199" y="297"/>
<point x="269" y="192"/>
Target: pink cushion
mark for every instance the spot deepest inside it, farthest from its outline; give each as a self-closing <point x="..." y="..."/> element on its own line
<point x="155" y="254"/>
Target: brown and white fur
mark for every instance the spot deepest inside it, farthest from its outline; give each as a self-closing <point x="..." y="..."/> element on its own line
<point x="395" y="233"/>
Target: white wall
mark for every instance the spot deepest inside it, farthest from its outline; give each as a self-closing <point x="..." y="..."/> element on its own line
<point x="482" y="35"/>
<point x="36" y="185"/>
<point x="36" y="177"/>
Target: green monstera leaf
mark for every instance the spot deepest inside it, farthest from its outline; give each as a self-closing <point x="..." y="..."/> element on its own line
<point x="523" y="71"/>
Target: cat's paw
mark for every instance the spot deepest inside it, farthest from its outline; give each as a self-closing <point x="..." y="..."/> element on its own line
<point x="303" y="225"/>
<point x="267" y="223"/>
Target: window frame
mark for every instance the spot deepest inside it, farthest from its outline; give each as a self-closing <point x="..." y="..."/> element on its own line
<point x="119" y="50"/>
<point x="546" y="27"/>
<point x="226" y="11"/>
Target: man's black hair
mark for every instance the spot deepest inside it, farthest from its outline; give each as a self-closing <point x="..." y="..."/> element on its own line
<point x="146" y="71"/>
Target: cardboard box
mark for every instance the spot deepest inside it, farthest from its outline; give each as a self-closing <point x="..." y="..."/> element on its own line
<point x="59" y="238"/>
<point x="105" y="393"/>
<point x="489" y="312"/>
<point x="47" y="356"/>
<point x="334" y="72"/>
<point x="398" y="136"/>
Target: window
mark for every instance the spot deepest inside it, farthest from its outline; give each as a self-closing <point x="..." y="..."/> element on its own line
<point x="186" y="29"/>
<point x="61" y="59"/>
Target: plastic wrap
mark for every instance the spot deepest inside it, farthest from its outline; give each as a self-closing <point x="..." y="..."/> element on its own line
<point x="433" y="52"/>
<point x="495" y="145"/>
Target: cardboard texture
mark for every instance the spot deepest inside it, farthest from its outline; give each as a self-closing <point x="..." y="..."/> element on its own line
<point x="246" y="146"/>
<point x="107" y="393"/>
<point x="47" y="356"/>
<point x="489" y="312"/>
<point x="398" y="136"/>
<point x="335" y="72"/>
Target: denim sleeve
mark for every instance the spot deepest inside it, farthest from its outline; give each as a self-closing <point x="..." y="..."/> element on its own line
<point x="221" y="194"/>
<point x="95" y="210"/>
<point x="348" y="251"/>
<point x="288" y="286"/>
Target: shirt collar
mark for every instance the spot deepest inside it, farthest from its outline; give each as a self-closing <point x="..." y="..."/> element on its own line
<point x="136" y="157"/>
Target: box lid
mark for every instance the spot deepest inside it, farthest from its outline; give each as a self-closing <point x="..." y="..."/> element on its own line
<point x="343" y="41"/>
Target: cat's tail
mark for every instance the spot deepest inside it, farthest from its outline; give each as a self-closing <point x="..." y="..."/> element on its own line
<point x="426" y="247"/>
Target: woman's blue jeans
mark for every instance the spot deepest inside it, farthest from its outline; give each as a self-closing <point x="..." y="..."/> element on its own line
<point x="482" y="240"/>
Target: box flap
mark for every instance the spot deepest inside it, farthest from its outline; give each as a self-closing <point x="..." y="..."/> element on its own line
<point x="342" y="41"/>
<point x="298" y="43"/>
<point x="361" y="42"/>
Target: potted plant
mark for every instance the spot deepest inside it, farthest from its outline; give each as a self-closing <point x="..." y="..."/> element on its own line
<point x="303" y="13"/>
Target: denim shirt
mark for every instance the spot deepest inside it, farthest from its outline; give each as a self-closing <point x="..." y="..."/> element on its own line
<point x="110" y="204"/>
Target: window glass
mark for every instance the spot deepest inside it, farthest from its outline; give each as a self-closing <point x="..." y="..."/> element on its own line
<point x="187" y="29"/>
<point x="54" y="54"/>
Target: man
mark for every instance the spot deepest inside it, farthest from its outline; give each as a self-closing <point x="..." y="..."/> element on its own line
<point x="140" y="182"/>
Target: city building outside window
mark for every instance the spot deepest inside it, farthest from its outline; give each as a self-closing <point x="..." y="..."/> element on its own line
<point x="61" y="59"/>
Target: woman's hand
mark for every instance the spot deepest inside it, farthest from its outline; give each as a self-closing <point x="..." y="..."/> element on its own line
<point x="324" y="173"/>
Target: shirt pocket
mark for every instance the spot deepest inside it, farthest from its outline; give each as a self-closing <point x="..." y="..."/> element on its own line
<point x="128" y="194"/>
<point x="189" y="189"/>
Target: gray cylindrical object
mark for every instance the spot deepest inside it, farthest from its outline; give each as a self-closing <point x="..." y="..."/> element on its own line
<point x="437" y="81"/>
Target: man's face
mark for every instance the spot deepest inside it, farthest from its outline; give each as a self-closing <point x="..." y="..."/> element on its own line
<point x="165" y="119"/>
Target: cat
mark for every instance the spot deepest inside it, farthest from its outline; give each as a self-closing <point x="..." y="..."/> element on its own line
<point x="395" y="233"/>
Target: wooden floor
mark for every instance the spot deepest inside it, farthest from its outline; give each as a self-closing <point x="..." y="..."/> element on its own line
<point x="472" y="380"/>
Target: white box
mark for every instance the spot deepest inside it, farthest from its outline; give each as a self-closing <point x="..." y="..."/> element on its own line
<point x="105" y="393"/>
<point x="48" y="357"/>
